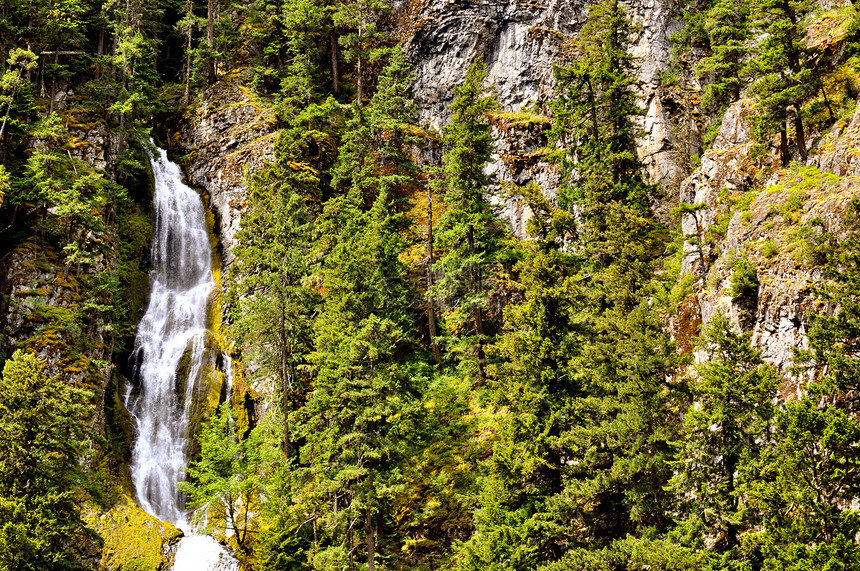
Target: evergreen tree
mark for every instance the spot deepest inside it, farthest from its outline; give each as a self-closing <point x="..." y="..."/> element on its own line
<point x="12" y="81"/>
<point x="834" y="340"/>
<point x="43" y="439"/>
<point x="273" y="307"/>
<point x="223" y="484"/>
<point x="802" y="489"/>
<point x="784" y="78"/>
<point x="469" y="232"/>
<point x="725" y="434"/>
<point x="596" y="113"/>
<point x="361" y="386"/>
<point x="534" y="383"/>
<point x="616" y="444"/>
<point x="374" y="154"/>
<point x="305" y="26"/>
<point x="728" y="28"/>
<point x="362" y="40"/>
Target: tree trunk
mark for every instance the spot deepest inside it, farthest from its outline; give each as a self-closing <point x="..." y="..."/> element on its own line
<point x="54" y="79"/>
<point x="370" y="534"/>
<point x="431" y="304"/>
<point x="477" y="313"/>
<point x="189" y="38"/>
<point x="785" y="157"/>
<point x="800" y="137"/>
<point x="286" y="405"/>
<point x="358" y="82"/>
<point x="731" y="529"/>
<point x="210" y="39"/>
<point x="335" y="75"/>
<point x="100" y="50"/>
<point x="9" y="107"/>
<point x="29" y="49"/>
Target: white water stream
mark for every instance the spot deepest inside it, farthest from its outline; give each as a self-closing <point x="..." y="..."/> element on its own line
<point x="174" y="326"/>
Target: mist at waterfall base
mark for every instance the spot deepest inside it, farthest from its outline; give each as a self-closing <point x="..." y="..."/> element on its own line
<point x="174" y="326"/>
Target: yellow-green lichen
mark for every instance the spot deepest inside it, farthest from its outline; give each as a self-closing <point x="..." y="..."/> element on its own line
<point x="133" y="539"/>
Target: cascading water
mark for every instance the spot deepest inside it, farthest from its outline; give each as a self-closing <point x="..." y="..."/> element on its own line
<point x="172" y="336"/>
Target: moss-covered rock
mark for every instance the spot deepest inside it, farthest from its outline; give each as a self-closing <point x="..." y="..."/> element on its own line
<point x="133" y="539"/>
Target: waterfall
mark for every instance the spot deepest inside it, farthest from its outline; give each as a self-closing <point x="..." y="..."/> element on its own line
<point x="168" y="360"/>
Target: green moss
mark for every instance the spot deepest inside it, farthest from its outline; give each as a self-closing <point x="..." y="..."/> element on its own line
<point x="744" y="201"/>
<point x="520" y="119"/>
<point x="133" y="539"/>
<point x="809" y="244"/>
<point x="744" y="279"/>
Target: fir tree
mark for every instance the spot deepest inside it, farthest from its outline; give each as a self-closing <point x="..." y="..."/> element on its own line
<point x="596" y="114"/>
<point x="727" y="25"/>
<point x="725" y="432"/>
<point x="43" y="438"/>
<point x="784" y="76"/>
<point x="273" y="307"/>
<point x="373" y="157"/>
<point x="362" y="40"/>
<point x="834" y="339"/>
<point x="534" y="383"/>
<point x="361" y="385"/>
<point x="223" y="482"/>
<point x="801" y="489"/>
<point x="617" y="439"/>
<point x="469" y="233"/>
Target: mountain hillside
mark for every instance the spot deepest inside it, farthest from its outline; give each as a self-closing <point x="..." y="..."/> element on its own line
<point x="494" y="285"/>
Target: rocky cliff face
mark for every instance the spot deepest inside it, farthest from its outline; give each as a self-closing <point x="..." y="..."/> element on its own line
<point x="44" y="297"/>
<point x="520" y="42"/>
<point x="227" y="138"/>
<point x="782" y="228"/>
<point x="229" y="135"/>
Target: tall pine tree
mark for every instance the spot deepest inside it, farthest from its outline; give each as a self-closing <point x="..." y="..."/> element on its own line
<point x="469" y="233"/>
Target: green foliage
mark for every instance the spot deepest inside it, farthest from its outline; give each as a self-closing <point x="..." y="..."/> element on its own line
<point x="535" y="384"/>
<point x="810" y="244"/>
<point x="557" y="432"/>
<point x="813" y="466"/>
<point x="271" y="305"/>
<point x="784" y="71"/>
<point x="602" y="173"/>
<point x="469" y="232"/>
<point x="43" y="439"/>
<point x="743" y="283"/>
<point x="722" y="438"/>
<point x="373" y="157"/>
<point x="834" y="339"/>
<point x="222" y="483"/>
<point x="363" y="42"/>
<point x="350" y="422"/>
<point x="769" y="249"/>
<point x="727" y="29"/>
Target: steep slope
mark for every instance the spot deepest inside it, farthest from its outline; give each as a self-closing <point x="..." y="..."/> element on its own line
<point x="783" y="226"/>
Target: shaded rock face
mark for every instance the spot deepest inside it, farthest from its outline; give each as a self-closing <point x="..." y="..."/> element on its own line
<point x="42" y="301"/>
<point x="765" y="224"/>
<point x="520" y="42"/>
<point x="227" y="139"/>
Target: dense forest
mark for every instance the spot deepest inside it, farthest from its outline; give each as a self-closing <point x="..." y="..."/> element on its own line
<point x="417" y="385"/>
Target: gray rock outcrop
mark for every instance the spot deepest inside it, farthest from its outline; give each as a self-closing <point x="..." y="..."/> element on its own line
<point x="228" y="138"/>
